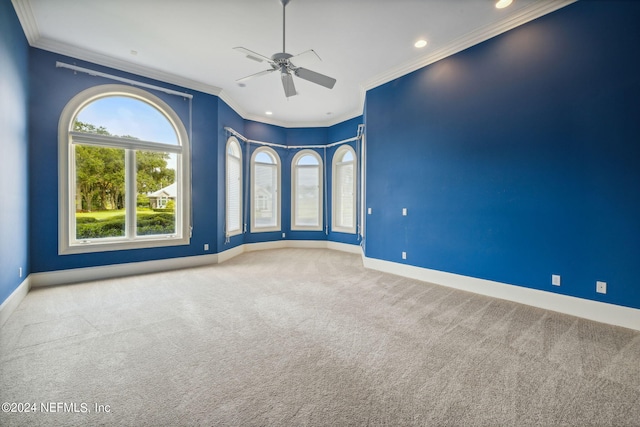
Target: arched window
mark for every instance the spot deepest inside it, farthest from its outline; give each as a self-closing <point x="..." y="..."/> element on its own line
<point x="306" y="194"/>
<point x="233" y="187"/>
<point x="344" y="190"/>
<point x="265" y="190"/>
<point x="124" y="172"/>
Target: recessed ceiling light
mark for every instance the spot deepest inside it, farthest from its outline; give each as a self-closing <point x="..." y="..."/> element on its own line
<point x="501" y="4"/>
<point x="420" y="43"/>
<point x="268" y="113"/>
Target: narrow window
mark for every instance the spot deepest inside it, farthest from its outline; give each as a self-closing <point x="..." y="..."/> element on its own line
<point x="265" y="190"/>
<point x="344" y="190"/>
<point x="233" y="187"/>
<point x="124" y="172"/>
<point x="306" y="194"/>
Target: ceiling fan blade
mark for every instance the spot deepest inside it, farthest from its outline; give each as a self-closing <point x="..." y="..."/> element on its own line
<point x="261" y="73"/>
<point x="252" y="55"/>
<point x="307" y="57"/>
<point x="316" y="78"/>
<point x="287" y="84"/>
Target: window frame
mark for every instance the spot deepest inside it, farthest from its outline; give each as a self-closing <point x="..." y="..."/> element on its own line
<point x="294" y="190"/>
<point x="278" y="166"/>
<point x="67" y="138"/>
<point x="229" y="233"/>
<point x="337" y="156"/>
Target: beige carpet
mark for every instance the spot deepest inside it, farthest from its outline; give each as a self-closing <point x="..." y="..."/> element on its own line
<point x="307" y="337"/>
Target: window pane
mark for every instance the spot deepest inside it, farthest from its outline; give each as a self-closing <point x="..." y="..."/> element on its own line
<point x="265" y="195"/>
<point x="263" y="157"/>
<point x="157" y="193"/>
<point x="308" y="160"/>
<point x="345" y="199"/>
<point x="100" y="192"/>
<point x="234" y="192"/>
<point x="307" y="195"/>
<point x="126" y="117"/>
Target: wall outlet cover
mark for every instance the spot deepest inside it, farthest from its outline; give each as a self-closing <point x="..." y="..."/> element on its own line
<point x="601" y="287"/>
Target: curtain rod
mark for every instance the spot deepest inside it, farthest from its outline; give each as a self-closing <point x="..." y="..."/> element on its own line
<point x="271" y="144"/>
<point x="121" y="79"/>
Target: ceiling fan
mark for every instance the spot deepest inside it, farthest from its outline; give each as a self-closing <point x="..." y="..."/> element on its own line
<point x="286" y="64"/>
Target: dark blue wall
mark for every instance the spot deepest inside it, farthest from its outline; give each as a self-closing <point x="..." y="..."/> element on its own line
<point x="14" y="173"/>
<point x="51" y="88"/>
<point x="518" y="158"/>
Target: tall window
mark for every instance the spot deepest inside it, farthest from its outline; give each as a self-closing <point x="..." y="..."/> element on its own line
<point x="124" y="162"/>
<point x="306" y="194"/>
<point x="233" y="187"/>
<point x="265" y="190"/>
<point x="344" y="190"/>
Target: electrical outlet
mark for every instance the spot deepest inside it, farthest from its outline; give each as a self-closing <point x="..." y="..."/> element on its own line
<point x="601" y="287"/>
<point x="404" y="255"/>
<point x="206" y="246"/>
<point x="20" y="272"/>
<point x="284" y="235"/>
<point x="555" y="280"/>
<point x="369" y="211"/>
<point x="404" y="211"/>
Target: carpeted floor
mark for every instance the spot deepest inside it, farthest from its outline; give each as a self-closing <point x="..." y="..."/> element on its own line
<point x="306" y="337"/>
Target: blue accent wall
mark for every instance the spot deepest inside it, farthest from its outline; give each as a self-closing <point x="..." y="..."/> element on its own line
<point x="517" y="158"/>
<point x="14" y="173"/>
<point x="50" y="89"/>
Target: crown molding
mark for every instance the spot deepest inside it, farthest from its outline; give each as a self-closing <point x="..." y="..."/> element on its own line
<point x="30" y="27"/>
<point x="27" y="20"/>
<point x="527" y="14"/>
<point x="334" y="120"/>
<point x="126" y="66"/>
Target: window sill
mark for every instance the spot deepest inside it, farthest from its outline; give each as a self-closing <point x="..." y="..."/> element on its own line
<point x="120" y="245"/>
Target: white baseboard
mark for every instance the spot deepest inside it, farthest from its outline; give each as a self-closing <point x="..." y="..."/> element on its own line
<point x="14" y="300"/>
<point x="587" y="309"/>
<point x="86" y="274"/>
<point x="281" y="244"/>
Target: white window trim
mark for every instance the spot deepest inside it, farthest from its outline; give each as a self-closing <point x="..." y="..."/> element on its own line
<point x="66" y="188"/>
<point x="278" y="204"/>
<point x="233" y="140"/>
<point x="334" y="193"/>
<point x="294" y="186"/>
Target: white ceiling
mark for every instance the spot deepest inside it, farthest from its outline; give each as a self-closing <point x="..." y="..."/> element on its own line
<point x="362" y="43"/>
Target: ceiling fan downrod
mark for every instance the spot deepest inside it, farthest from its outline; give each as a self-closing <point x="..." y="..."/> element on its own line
<point x="284" y="6"/>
